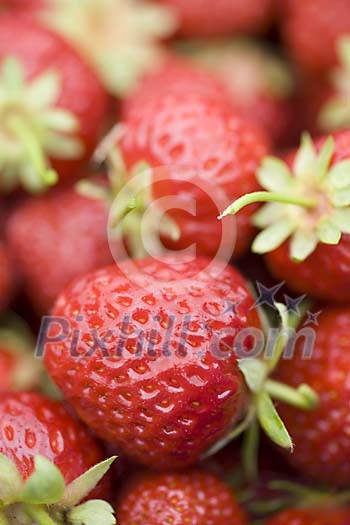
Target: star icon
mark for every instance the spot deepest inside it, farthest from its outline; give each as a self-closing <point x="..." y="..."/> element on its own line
<point x="292" y="305"/>
<point x="266" y="296"/>
<point x="312" y="318"/>
<point x="232" y="307"/>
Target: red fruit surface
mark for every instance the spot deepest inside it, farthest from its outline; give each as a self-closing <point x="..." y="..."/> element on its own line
<point x="6" y="277"/>
<point x="8" y="364"/>
<point x="82" y="94"/>
<point x="194" y="497"/>
<point x="216" y="152"/>
<point x="202" y="18"/>
<point x="321" y="437"/>
<point x="311" y="29"/>
<point x="31" y="425"/>
<point x="325" y="274"/>
<point x="177" y="75"/>
<point x="311" y="517"/>
<point x="56" y="238"/>
<point x="157" y="387"/>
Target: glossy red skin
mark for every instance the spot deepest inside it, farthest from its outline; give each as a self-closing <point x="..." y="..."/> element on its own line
<point x="81" y="92"/>
<point x="192" y="131"/>
<point x="203" y="18"/>
<point x="311" y="29"/>
<point x="325" y="274"/>
<point x="194" y="497"/>
<point x="321" y="437"/>
<point x="31" y="425"/>
<point x="56" y="238"/>
<point x="311" y="517"/>
<point x="160" y="410"/>
<point x="6" y="277"/>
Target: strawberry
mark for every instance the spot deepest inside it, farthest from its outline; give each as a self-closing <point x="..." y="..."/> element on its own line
<point x="161" y="411"/>
<point x="311" y="29"/>
<point x="145" y="353"/>
<point x="18" y="368"/>
<point x="310" y="204"/>
<point x="56" y="238"/>
<point x="195" y="497"/>
<point x="41" y="443"/>
<point x="259" y="83"/>
<point x="205" y="154"/>
<point x="315" y="516"/>
<point x="322" y="445"/>
<point x="6" y="277"/>
<point x="60" y="106"/>
<point x="121" y="39"/>
<point x="202" y="18"/>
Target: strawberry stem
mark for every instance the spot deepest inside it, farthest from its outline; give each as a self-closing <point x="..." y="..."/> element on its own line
<point x="267" y="196"/>
<point x="3" y="519"/>
<point x="42" y="175"/>
<point x="39" y="515"/>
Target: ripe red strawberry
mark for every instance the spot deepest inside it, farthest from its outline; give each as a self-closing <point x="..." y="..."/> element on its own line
<point x="311" y="29"/>
<point x="259" y="83"/>
<point x="207" y="154"/>
<point x="60" y="106"/>
<point x="32" y="425"/>
<point x="6" y="276"/>
<point x="161" y="393"/>
<point x="121" y="39"/>
<point x="321" y="439"/>
<point x="202" y="18"/>
<point x="46" y="456"/>
<point x="56" y="238"/>
<point x="195" y="497"/>
<point x="310" y="204"/>
<point x="315" y="516"/>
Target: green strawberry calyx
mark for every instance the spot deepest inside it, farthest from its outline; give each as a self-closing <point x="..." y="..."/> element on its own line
<point x="336" y="112"/>
<point x="120" y="38"/>
<point x="32" y="129"/>
<point x="128" y="196"/>
<point x="264" y="391"/>
<point x="308" y="204"/>
<point x="45" y="499"/>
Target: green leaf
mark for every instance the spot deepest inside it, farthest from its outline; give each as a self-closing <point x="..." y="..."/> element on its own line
<point x="268" y="214"/>
<point x="60" y="120"/>
<point x="328" y="232"/>
<point x="13" y="75"/>
<point x="302" y="244"/>
<point x="11" y="484"/>
<point x="305" y="159"/>
<point x="94" y="512"/>
<point x="271" y="422"/>
<point x="63" y="146"/>
<point x="254" y="372"/>
<point x="84" y="484"/>
<point x="273" y="236"/>
<point x="324" y="158"/>
<point x="46" y="484"/>
<point x="341" y="197"/>
<point x="3" y="519"/>
<point x="274" y="175"/>
<point x="341" y="217"/>
<point x="44" y="90"/>
<point x="343" y="46"/>
<point x="339" y="175"/>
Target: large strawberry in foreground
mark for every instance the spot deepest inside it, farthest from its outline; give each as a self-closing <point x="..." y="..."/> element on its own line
<point x="154" y="355"/>
<point x="194" y="497"/>
<point x="321" y="438"/>
<point x="45" y="457"/>
<point x="312" y="516"/>
<point x="59" y="106"/>
<point x="150" y="376"/>
<point x="306" y="223"/>
<point x="56" y="238"/>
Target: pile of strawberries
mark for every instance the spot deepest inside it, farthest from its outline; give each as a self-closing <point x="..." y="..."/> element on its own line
<point x="174" y="262"/>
